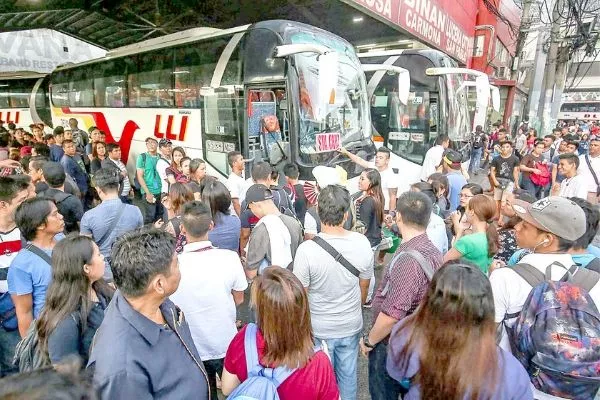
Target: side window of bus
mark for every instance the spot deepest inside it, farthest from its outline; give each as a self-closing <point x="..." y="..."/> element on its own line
<point x="150" y="83"/>
<point x="4" y="95"/>
<point x="109" y="84"/>
<point x="60" y="89"/>
<point x="81" y="89"/>
<point x="20" y="91"/>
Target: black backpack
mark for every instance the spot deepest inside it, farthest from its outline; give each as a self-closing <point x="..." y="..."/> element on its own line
<point x="478" y="140"/>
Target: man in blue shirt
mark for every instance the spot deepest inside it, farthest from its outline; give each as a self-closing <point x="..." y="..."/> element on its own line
<point x="144" y="348"/>
<point x="452" y="168"/>
<point x="74" y="166"/>
<point x="29" y="273"/>
<point x="56" y="150"/>
<point x="111" y="218"/>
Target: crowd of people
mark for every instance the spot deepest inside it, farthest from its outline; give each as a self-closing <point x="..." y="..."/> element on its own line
<point x="143" y="291"/>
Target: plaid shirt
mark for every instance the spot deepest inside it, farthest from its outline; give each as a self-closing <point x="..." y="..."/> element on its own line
<point x="408" y="282"/>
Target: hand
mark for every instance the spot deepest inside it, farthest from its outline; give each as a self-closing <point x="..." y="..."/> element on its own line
<point x="124" y="174"/>
<point x="364" y="350"/>
<point x="556" y="187"/>
<point x="495" y="265"/>
<point x="343" y="151"/>
<point x="536" y="171"/>
<point x="389" y="221"/>
<point x="150" y="198"/>
<point x="9" y="164"/>
<point x="159" y="224"/>
<point x="170" y="229"/>
<point x="455" y="218"/>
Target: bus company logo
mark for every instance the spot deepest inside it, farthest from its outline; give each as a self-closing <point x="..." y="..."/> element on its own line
<point x="8" y="118"/>
<point x="168" y="132"/>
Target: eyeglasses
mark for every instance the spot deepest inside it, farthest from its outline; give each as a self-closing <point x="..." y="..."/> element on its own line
<point x="468" y="196"/>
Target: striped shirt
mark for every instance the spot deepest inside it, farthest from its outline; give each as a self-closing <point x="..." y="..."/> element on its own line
<point x="126" y="183"/>
<point x="408" y="283"/>
<point x="10" y="244"/>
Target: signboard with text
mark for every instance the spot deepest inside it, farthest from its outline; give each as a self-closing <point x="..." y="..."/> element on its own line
<point x="327" y="142"/>
<point x="446" y="25"/>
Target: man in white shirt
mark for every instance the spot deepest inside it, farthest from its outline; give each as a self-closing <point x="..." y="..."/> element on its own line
<point x="549" y="227"/>
<point x="336" y="291"/>
<point x="235" y="182"/>
<point x="212" y="285"/>
<point x="588" y="172"/>
<point x="433" y="157"/>
<point x="164" y="162"/>
<point x="573" y="185"/>
<point x="113" y="161"/>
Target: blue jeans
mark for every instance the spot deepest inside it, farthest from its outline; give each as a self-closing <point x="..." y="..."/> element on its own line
<point x="381" y="385"/>
<point x="344" y="358"/>
<point x="8" y="342"/>
<point x="537" y="191"/>
<point x="475" y="159"/>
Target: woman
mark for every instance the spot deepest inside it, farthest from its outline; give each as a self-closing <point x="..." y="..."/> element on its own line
<point x="98" y="155"/>
<point x="447" y="348"/>
<point x="584" y="144"/>
<point x="283" y="338"/>
<point x="507" y="242"/>
<point x="226" y="230"/>
<point x="179" y="194"/>
<point x="467" y="192"/>
<point x="480" y="246"/>
<point x="75" y="301"/>
<point x="440" y="185"/>
<point x="369" y="205"/>
<point x="531" y="137"/>
<point x="185" y="169"/>
<point x="174" y="171"/>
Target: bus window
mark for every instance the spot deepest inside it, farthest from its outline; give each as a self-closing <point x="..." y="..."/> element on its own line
<point x="150" y="82"/>
<point x="81" y="90"/>
<point x="4" y="95"/>
<point x="60" y="89"/>
<point x="109" y="85"/>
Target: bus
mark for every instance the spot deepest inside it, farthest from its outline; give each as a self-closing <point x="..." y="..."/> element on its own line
<point x="24" y="99"/>
<point x="437" y="104"/>
<point x="582" y="110"/>
<point x="277" y="90"/>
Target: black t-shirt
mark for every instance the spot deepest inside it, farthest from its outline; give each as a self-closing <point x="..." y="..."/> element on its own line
<point x="505" y="166"/>
<point x="68" y="206"/>
<point x="366" y="212"/>
<point x="300" y="201"/>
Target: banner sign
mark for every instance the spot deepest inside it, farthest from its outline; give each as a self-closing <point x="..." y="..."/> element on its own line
<point x="446" y="25"/>
<point x="327" y="142"/>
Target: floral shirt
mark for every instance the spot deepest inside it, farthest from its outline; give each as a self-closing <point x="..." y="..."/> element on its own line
<point x="508" y="245"/>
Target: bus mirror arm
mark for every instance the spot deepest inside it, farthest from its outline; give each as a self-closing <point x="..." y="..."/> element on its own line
<point x="291" y="49"/>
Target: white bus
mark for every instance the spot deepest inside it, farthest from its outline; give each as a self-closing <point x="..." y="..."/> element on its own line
<point x="24" y="99"/>
<point x="211" y="91"/>
<point x="582" y="110"/>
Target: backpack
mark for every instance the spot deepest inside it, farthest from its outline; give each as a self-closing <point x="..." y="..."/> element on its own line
<point x="557" y="334"/>
<point x="284" y="202"/>
<point x="543" y="178"/>
<point x="478" y="140"/>
<point x="28" y="355"/>
<point x="181" y="240"/>
<point x="262" y="382"/>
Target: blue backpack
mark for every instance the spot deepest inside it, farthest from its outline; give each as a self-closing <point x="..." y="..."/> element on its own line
<point x="262" y="382"/>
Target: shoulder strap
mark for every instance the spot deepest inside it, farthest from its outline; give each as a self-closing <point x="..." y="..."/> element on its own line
<point x="589" y="163"/>
<point x="336" y="255"/>
<point x="594" y="265"/>
<point x="586" y="279"/>
<point x="531" y="274"/>
<point x="39" y="252"/>
<point x="176" y="222"/>
<point x="112" y="226"/>
<point x="423" y="263"/>
<point x="60" y="197"/>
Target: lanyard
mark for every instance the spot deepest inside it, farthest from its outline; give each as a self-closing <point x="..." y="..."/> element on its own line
<point x="202" y="249"/>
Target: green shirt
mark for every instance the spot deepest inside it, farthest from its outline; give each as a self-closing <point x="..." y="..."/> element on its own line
<point x="147" y="162"/>
<point x="474" y="248"/>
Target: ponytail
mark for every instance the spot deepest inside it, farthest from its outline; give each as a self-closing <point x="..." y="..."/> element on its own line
<point x="493" y="239"/>
<point x="485" y="210"/>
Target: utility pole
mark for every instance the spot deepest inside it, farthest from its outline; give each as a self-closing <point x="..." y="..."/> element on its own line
<point x="547" y="96"/>
<point x="523" y="32"/>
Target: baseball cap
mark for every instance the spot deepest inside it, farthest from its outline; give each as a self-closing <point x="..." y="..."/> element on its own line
<point x="258" y="192"/>
<point x="557" y="215"/>
<point x="149" y="138"/>
<point x="452" y="158"/>
<point x="164" y="142"/>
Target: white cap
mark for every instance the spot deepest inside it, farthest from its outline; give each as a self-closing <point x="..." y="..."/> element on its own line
<point x="326" y="176"/>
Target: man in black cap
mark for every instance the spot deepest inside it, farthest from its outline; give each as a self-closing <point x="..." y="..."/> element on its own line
<point x="451" y="165"/>
<point x="275" y="238"/>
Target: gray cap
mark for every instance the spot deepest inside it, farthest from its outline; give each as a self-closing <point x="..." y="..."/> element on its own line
<point x="557" y="215"/>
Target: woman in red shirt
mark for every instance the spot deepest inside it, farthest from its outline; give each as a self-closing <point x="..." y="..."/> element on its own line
<point x="284" y="338"/>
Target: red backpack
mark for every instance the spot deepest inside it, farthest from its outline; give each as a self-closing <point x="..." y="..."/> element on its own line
<point x="543" y="178"/>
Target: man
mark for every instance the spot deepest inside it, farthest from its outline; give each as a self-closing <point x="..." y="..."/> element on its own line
<point x="235" y="181"/>
<point x="479" y="142"/>
<point x="150" y="184"/>
<point x="275" y="238"/>
<point x="335" y="293"/>
<point x="573" y="184"/>
<point x="56" y="150"/>
<point x="521" y="142"/>
<point x="111" y="218"/>
<point x="30" y="272"/>
<point x="549" y="227"/>
<point x="208" y="298"/>
<point x="74" y="166"/>
<point x="451" y="165"/>
<point x="504" y="171"/>
<point x="13" y="191"/>
<point x="558" y="137"/>
<point x="557" y="177"/>
<point x="296" y="190"/>
<point x="164" y="162"/>
<point x="433" y="157"/>
<point x="549" y="148"/>
<point x="389" y="178"/>
<point x="589" y="169"/>
<point x="40" y="149"/>
<point x="36" y="172"/>
<point x="113" y="161"/>
<point x="531" y="164"/>
<point x="144" y="348"/>
<point x="69" y="206"/>
<point x="580" y="251"/>
<point x="402" y="288"/>
<point x="80" y="137"/>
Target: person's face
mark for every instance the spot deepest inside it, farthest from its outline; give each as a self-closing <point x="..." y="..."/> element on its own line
<point x="465" y="196"/>
<point x="239" y="162"/>
<point x="95" y="135"/>
<point x="564" y="131"/>
<point x="115" y="154"/>
<point x="8" y="208"/>
<point x="571" y="148"/>
<point x="166" y="150"/>
<point x="381" y="160"/>
<point x="506" y="149"/>
<point x="539" y="149"/>
<point x="151" y="145"/>
<point x="54" y="222"/>
<point x="101" y="150"/>
<point x="363" y="182"/>
<point x="37" y="133"/>
<point x="95" y="269"/>
<point x="73" y="123"/>
<point x="19" y="134"/>
<point x="566" y="168"/>
<point x="528" y="236"/>
<point x="35" y="174"/>
<point x="562" y="147"/>
<point x="69" y="149"/>
<point x="50" y="141"/>
<point x="501" y="136"/>
<point x="548" y="142"/>
<point x="102" y="137"/>
<point x="507" y="209"/>
<point x="174" y="276"/>
<point x="595" y="148"/>
<point x="177" y="156"/>
<point x="200" y="172"/>
<point x="185" y="167"/>
<point x="271" y="124"/>
<point x="68" y="135"/>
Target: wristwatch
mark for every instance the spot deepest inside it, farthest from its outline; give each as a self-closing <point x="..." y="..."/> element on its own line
<point x="366" y="341"/>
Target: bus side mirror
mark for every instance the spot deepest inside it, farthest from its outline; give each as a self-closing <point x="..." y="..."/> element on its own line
<point x="404" y="86"/>
<point x="495" y="98"/>
<point x="482" y="86"/>
<point x="328" y="79"/>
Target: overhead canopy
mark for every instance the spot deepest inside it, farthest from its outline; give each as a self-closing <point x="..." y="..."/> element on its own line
<point x="115" y="23"/>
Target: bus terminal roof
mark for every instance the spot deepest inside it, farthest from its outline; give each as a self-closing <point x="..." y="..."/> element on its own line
<point x="115" y="23"/>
